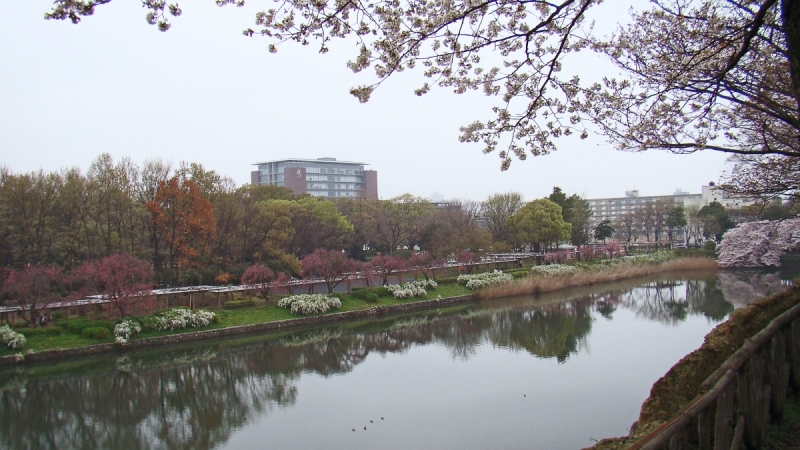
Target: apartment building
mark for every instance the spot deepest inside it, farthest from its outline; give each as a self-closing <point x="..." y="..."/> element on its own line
<point x="612" y="208"/>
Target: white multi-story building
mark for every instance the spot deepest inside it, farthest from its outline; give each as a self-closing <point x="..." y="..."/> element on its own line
<point x="612" y="208"/>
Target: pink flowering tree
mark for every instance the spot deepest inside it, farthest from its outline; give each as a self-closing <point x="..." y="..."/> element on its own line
<point x="384" y="266"/>
<point x="282" y="280"/>
<point x="330" y="265"/>
<point x="120" y="279"/>
<point x="756" y="244"/>
<point x="467" y="259"/>
<point x="259" y="277"/>
<point x="365" y="270"/>
<point x="589" y="252"/>
<point x="33" y="289"/>
<point x="613" y="249"/>
<point x="426" y="264"/>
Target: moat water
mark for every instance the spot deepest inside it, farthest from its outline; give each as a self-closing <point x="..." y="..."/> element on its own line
<point x="554" y="371"/>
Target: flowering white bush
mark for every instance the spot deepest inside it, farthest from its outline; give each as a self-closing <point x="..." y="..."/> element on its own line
<point x="756" y="244"/>
<point x="633" y="260"/>
<point x="649" y="258"/>
<point x="125" y="331"/>
<point x="482" y="280"/>
<point x="553" y="270"/>
<point x="14" y="340"/>
<point x="412" y="289"/>
<point x="177" y="318"/>
<point x="309" y="303"/>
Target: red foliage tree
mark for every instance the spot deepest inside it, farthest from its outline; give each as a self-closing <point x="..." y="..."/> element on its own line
<point x="33" y="288"/>
<point x="119" y="279"/>
<point x="259" y="277"/>
<point x="386" y="265"/>
<point x="331" y="265"/>
<point x="185" y="220"/>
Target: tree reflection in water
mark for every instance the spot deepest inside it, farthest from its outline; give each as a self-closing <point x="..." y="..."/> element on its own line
<point x="197" y="398"/>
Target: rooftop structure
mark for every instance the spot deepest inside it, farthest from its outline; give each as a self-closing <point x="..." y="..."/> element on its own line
<point x="322" y="177"/>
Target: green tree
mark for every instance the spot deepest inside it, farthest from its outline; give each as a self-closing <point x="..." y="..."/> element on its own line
<point x="558" y="197"/>
<point x="539" y="223"/>
<point x="576" y="211"/>
<point x="676" y="218"/>
<point x="716" y="221"/>
<point x="603" y="230"/>
<point x="496" y="211"/>
<point x="317" y="224"/>
<point x="360" y="212"/>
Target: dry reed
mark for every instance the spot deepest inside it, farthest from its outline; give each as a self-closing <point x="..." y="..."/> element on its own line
<point x="539" y="284"/>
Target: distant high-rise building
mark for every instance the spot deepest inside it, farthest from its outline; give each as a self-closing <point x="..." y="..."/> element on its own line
<point x="322" y="177"/>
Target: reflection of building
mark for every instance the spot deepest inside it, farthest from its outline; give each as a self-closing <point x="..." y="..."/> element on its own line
<point x="322" y="177"/>
<point x="613" y="208"/>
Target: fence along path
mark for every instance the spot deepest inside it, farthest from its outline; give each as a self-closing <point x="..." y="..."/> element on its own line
<point x="738" y="400"/>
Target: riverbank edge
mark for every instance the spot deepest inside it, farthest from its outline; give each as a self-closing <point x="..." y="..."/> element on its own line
<point x="690" y="263"/>
<point x="683" y="381"/>
<point x="88" y="350"/>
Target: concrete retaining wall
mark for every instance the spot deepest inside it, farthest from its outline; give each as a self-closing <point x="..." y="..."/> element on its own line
<point x="55" y="354"/>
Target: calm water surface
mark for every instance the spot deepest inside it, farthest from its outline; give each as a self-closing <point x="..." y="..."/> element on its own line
<point x="546" y="372"/>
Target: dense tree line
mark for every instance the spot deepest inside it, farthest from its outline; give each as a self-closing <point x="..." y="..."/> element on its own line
<point x="193" y="225"/>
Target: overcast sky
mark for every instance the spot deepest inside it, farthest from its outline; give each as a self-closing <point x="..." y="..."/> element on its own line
<point x="204" y="93"/>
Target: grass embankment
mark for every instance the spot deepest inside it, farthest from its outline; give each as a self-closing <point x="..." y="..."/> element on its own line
<point x="682" y="382"/>
<point x="604" y="271"/>
<point x="260" y="313"/>
<point x="581" y="274"/>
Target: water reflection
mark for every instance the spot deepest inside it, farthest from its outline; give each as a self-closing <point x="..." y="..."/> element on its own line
<point x="199" y="397"/>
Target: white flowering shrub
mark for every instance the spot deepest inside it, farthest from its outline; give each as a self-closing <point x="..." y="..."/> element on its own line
<point x="412" y="289"/>
<point x="309" y="303"/>
<point x="630" y="260"/>
<point x="756" y="244"/>
<point x="553" y="270"/>
<point x="125" y="331"/>
<point x="13" y="340"/>
<point x="482" y="280"/>
<point x="178" y="318"/>
<point x="649" y="258"/>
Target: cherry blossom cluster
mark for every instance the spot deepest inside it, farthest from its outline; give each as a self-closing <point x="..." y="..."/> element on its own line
<point x="756" y="244"/>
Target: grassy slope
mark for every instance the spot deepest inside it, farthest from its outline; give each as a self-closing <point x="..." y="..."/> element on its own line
<point x="263" y="312"/>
